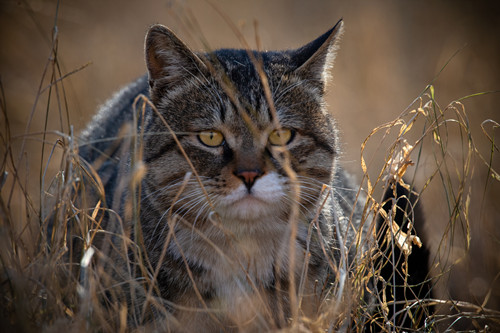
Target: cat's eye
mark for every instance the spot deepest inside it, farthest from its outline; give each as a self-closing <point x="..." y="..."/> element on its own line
<point x="281" y="137"/>
<point x="211" y="138"/>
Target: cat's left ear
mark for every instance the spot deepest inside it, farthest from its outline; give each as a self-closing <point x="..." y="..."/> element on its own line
<point x="314" y="60"/>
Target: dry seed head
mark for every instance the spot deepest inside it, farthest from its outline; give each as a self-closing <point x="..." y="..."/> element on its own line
<point x="399" y="163"/>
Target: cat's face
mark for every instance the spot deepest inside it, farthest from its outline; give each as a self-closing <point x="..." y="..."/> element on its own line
<point x="251" y="153"/>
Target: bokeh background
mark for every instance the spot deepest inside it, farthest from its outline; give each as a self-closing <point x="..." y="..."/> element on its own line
<point x="390" y="52"/>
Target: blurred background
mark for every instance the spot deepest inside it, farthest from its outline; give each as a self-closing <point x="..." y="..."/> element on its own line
<point x="390" y="52"/>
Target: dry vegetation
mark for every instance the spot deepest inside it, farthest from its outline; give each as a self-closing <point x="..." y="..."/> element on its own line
<point x="44" y="285"/>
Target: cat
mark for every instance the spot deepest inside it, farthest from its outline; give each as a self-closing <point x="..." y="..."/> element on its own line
<point x="246" y="218"/>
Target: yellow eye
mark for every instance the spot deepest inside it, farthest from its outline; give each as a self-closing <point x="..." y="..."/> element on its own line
<point x="281" y="137"/>
<point x="211" y="138"/>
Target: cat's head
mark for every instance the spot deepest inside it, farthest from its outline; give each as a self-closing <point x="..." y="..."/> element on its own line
<point x="250" y="124"/>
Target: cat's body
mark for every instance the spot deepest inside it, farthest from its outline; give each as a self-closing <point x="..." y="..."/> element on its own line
<point x="238" y="228"/>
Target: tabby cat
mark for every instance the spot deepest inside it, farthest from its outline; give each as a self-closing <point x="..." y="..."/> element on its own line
<point x="229" y="182"/>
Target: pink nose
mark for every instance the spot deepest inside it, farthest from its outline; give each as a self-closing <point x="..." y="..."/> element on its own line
<point x="248" y="177"/>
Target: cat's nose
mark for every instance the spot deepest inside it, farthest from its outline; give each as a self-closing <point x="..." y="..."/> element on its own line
<point x="248" y="176"/>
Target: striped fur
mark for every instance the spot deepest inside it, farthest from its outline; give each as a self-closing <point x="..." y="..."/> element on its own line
<point x="231" y="251"/>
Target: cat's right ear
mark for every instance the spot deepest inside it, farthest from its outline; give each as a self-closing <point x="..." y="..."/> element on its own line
<point x="168" y="59"/>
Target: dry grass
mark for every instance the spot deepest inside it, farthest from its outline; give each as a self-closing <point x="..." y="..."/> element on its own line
<point x="51" y="281"/>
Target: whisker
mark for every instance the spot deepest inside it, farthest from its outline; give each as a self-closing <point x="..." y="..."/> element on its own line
<point x="173" y="185"/>
<point x="200" y="212"/>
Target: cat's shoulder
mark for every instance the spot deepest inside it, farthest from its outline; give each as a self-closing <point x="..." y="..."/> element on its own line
<point x="111" y="116"/>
